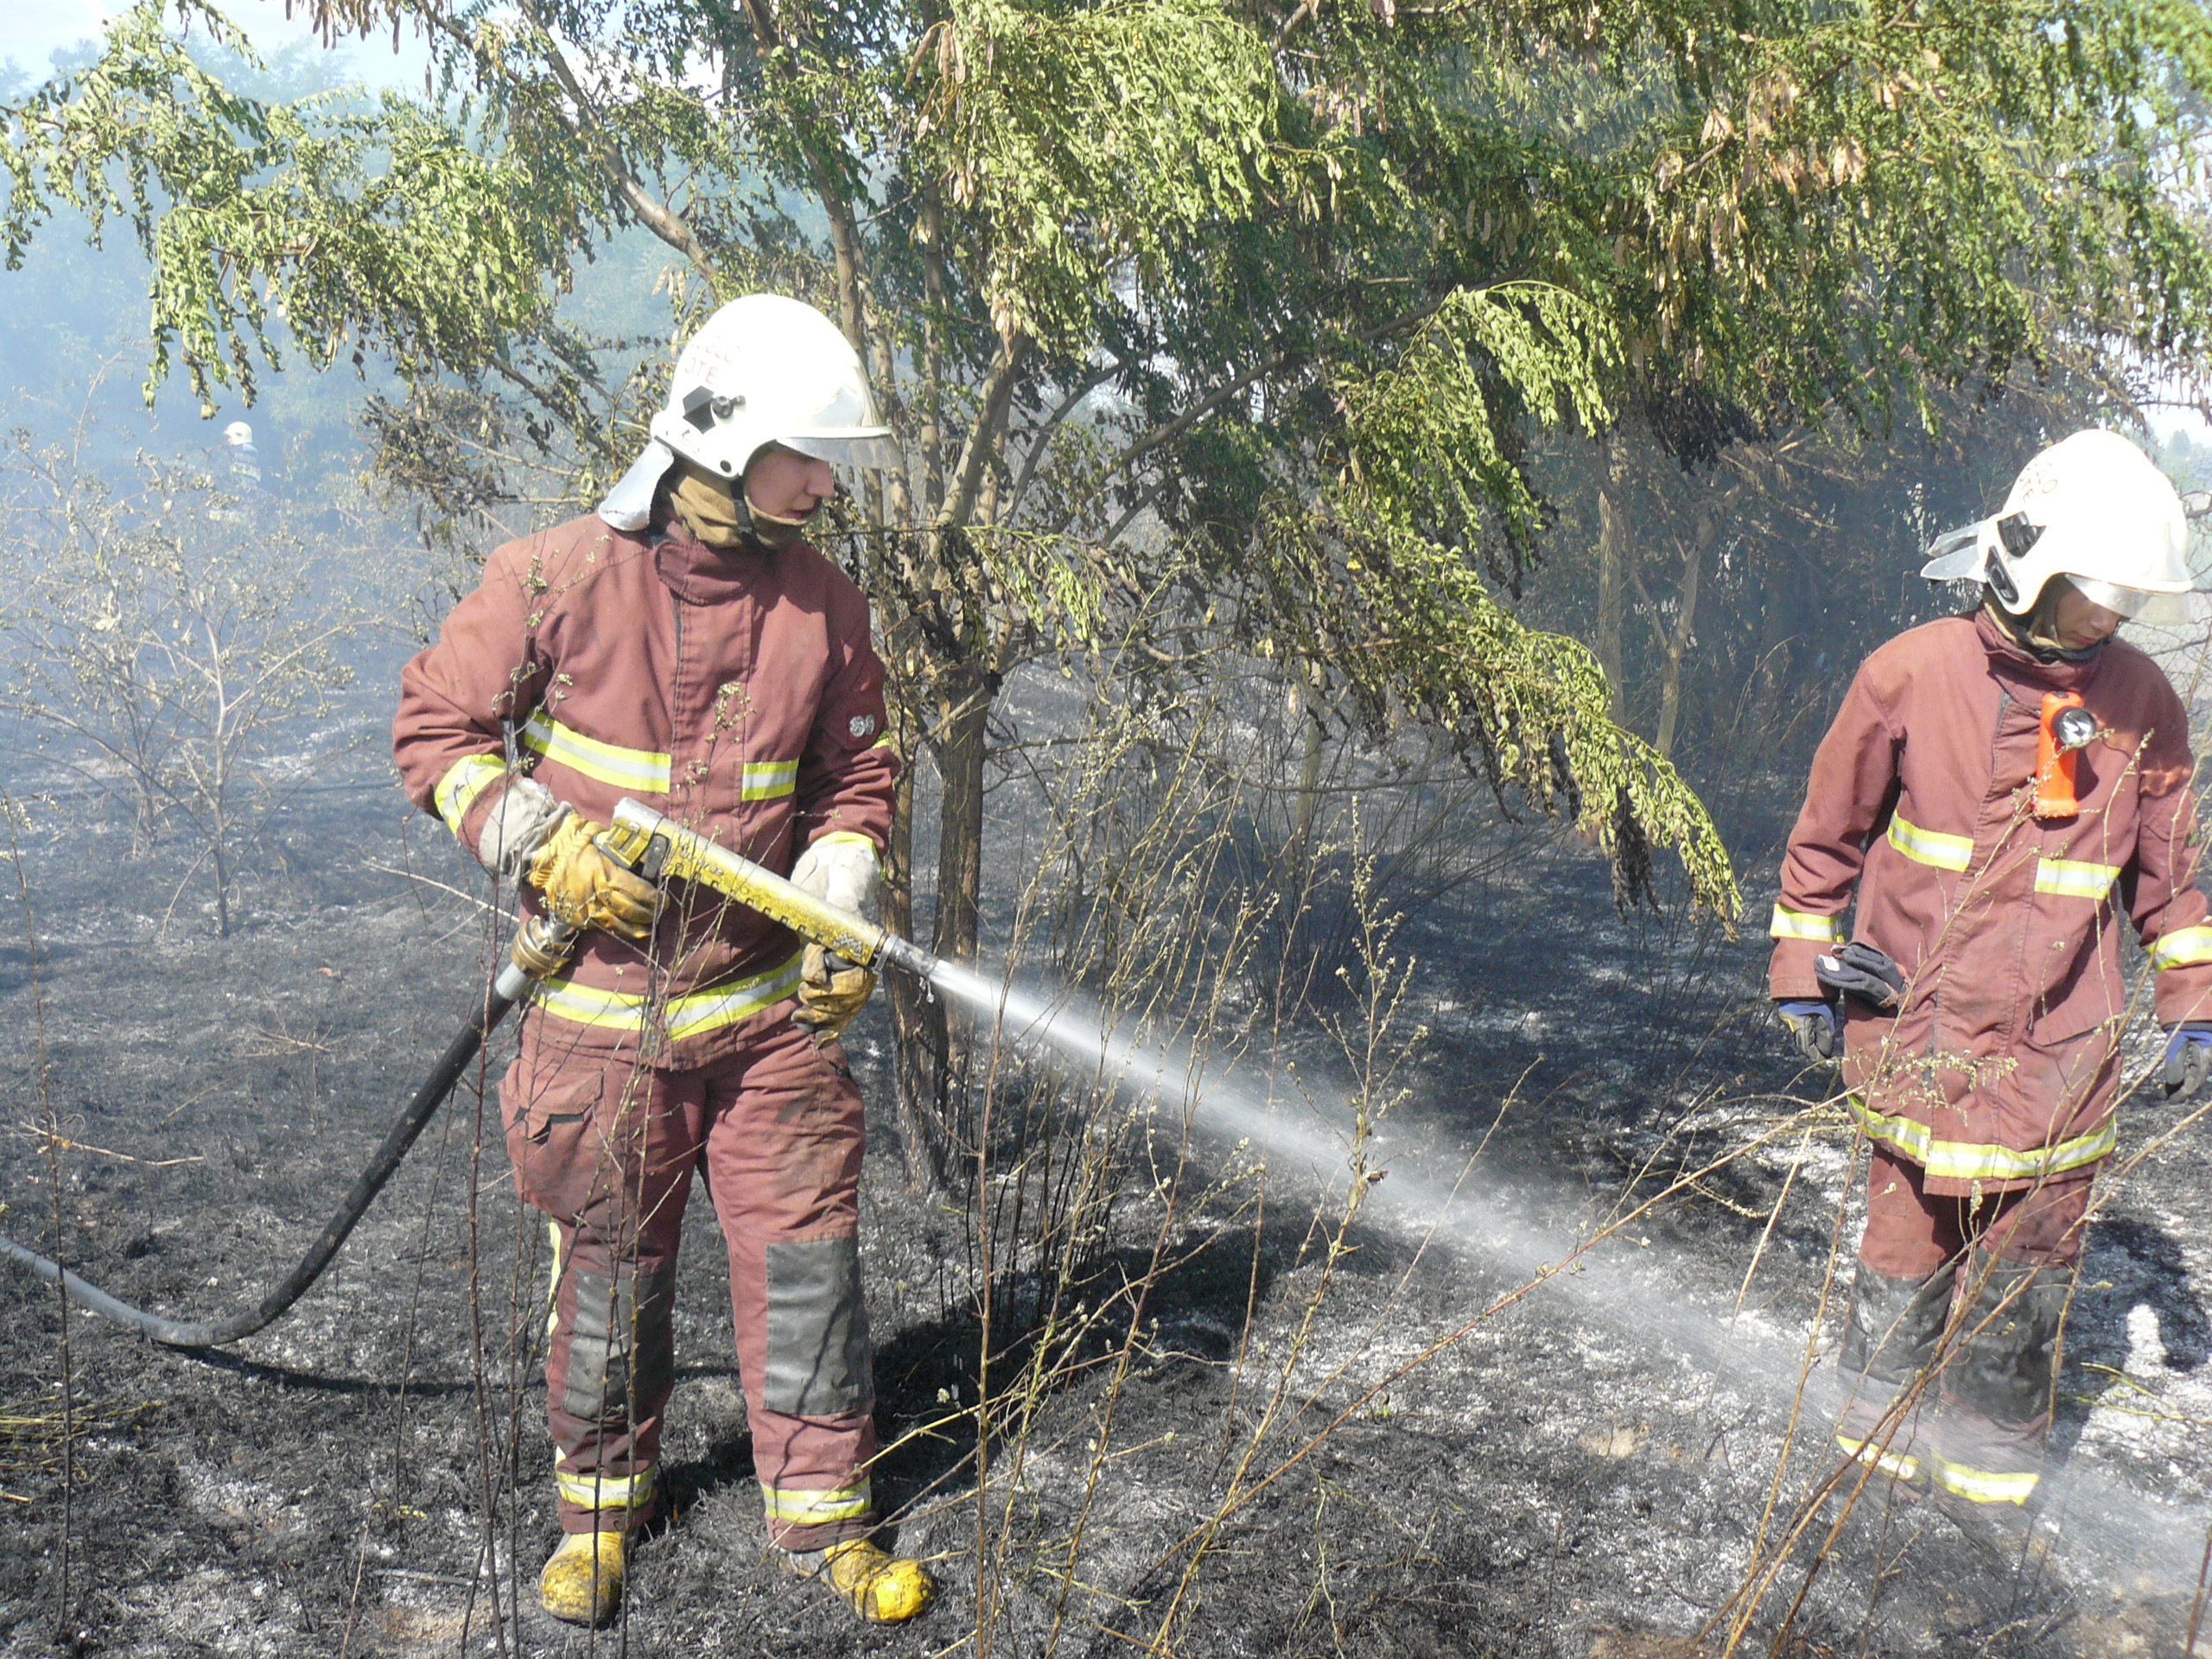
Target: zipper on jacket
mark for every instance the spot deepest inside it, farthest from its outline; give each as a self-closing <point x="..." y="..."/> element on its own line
<point x="1996" y="736"/>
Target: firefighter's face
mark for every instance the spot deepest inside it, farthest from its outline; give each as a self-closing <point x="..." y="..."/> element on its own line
<point x="2080" y="622"/>
<point x="783" y="484"/>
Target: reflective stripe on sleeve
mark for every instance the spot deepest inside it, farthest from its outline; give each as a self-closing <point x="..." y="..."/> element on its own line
<point x="1930" y="847"/>
<point x="463" y="782"/>
<point x="2072" y="878"/>
<point x="1900" y="1466"/>
<point x="679" y="1016"/>
<point x="597" y="1491"/>
<point x="1984" y="1485"/>
<point x="2182" y="947"/>
<point x="622" y="768"/>
<point x="797" y="1508"/>
<point x="1790" y="924"/>
<point x="768" y="780"/>
<point x="1965" y="1161"/>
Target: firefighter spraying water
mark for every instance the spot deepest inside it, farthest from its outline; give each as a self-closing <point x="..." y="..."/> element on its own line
<point x="685" y="644"/>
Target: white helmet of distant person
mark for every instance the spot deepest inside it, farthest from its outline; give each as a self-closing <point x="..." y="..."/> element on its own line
<point x="238" y="435"/>
<point x="764" y="370"/>
<point x="2093" y="508"/>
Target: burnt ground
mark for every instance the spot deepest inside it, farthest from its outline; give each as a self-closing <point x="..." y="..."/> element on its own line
<point x="1576" y="1475"/>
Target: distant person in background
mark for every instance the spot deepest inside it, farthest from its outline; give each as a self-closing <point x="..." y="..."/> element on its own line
<point x="241" y="459"/>
<point x="2000" y="791"/>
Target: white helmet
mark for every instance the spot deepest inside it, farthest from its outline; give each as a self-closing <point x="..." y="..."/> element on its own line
<point x="2093" y="508"/>
<point x="765" y="370"/>
<point x="238" y="435"/>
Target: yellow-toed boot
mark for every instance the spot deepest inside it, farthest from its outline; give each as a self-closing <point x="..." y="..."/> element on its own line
<point x="582" y="1582"/>
<point x="881" y="1588"/>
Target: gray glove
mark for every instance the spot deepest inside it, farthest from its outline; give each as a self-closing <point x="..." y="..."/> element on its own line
<point x="1859" y="970"/>
<point x="520" y="821"/>
<point x="2189" y="1059"/>
<point x="1812" y="1025"/>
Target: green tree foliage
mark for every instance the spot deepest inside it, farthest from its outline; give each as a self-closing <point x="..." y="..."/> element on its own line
<point x="1259" y="304"/>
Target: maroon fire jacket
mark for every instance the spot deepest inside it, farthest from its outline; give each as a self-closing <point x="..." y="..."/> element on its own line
<point x="2000" y="1068"/>
<point x="737" y="692"/>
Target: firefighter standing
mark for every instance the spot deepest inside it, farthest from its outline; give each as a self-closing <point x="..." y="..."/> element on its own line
<point x="686" y="646"/>
<point x="2001" y="790"/>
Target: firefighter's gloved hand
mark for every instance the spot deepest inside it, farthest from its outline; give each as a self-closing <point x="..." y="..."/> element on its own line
<point x="840" y="869"/>
<point x="520" y="820"/>
<point x="1813" y="1025"/>
<point x="831" y="992"/>
<point x="1859" y="970"/>
<point x="586" y="888"/>
<point x="2189" y="1059"/>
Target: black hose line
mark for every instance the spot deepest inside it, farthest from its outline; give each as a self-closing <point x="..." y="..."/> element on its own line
<point x="176" y="1333"/>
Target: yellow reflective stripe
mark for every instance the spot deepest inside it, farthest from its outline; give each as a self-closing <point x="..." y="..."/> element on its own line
<point x="728" y="1004"/>
<point x="768" y="780"/>
<point x="1984" y="1485"/>
<point x="680" y="1016"/>
<point x="2182" y="947"/>
<point x="1790" y="924"/>
<point x="553" y="1290"/>
<point x="845" y="835"/>
<point x="594" y="1491"/>
<point x="637" y="769"/>
<point x="2072" y="878"/>
<point x="1929" y="845"/>
<point x="463" y="782"/>
<point x="1900" y="1465"/>
<point x="795" y="1508"/>
<point x="1965" y="1161"/>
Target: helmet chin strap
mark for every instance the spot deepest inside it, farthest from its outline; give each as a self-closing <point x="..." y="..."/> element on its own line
<point x="762" y="530"/>
<point x="2027" y="632"/>
<point x="717" y="512"/>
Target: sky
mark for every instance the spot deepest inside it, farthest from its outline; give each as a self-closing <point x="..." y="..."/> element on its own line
<point x="33" y="30"/>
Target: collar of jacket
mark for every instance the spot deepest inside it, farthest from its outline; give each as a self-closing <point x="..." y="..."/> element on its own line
<point x="699" y="575"/>
<point x="2009" y="659"/>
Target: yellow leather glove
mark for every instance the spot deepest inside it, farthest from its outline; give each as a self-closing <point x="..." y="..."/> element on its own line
<point x="831" y="991"/>
<point x="839" y="868"/>
<point x="586" y="888"/>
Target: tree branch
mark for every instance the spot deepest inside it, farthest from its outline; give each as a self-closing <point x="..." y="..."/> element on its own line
<point x="1045" y="429"/>
<point x="656" y="216"/>
<point x="998" y="392"/>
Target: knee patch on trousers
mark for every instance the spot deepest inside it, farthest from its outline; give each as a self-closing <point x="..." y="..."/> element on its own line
<point x="622" y="1342"/>
<point x="817" y="1329"/>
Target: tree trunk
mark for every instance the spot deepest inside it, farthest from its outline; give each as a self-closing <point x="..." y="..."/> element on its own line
<point x="916" y="1017"/>
<point x="959" y="882"/>
<point x="1675" y="644"/>
<point x="1613" y="554"/>
<point x="222" y="872"/>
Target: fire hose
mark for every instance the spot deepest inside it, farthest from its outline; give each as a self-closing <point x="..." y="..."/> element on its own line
<point x="658" y="848"/>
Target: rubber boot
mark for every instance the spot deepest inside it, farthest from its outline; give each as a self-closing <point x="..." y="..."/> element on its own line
<point x="881" y="1589"/>
<point x="1995" y="1416"/>
<point x="1888" y="1342"/>
<point x="583" y="1582"/>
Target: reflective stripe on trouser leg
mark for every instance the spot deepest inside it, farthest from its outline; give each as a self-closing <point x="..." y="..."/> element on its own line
<point x="1996" y="1410"/>
<point x="789" y="1507"/>
<point x="1890" y="1338"/>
